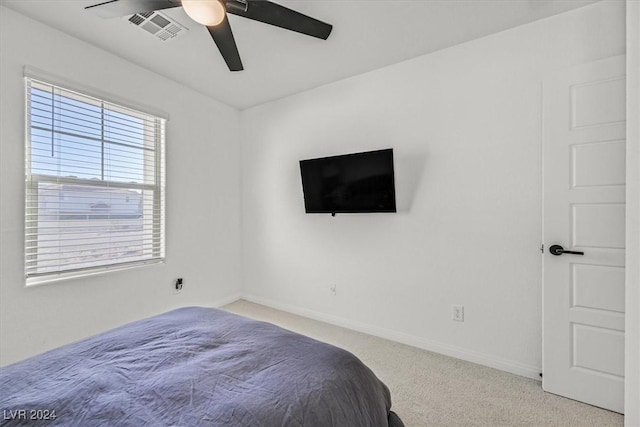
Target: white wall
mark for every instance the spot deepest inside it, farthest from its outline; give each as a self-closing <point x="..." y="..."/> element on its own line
<point x="465" y="126"/>
<point x="203" y="202"/>
<point x="632" y="318"/>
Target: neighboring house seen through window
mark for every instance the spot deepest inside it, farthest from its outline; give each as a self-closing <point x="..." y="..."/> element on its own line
<point x="94" y="184"/>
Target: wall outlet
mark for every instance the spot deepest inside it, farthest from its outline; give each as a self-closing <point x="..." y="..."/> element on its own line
<point x="178" y="285"/>
<point x="332" y="289"/>
<point x="457" y="313"/>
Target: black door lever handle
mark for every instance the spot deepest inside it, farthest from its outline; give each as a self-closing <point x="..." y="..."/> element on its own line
<point x="559" y="250"/>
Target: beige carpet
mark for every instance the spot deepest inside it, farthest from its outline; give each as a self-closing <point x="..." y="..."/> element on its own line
<point x="429" y="389"/>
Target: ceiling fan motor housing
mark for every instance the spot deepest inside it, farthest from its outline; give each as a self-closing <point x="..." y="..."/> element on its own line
<point x="236" y="5"/>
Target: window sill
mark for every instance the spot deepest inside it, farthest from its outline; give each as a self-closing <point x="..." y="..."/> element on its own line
<point x="63" y="277"/>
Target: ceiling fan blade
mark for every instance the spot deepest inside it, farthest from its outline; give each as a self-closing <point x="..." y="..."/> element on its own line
<point x="115" y="8"/>
<point x="223" y="37"/>
<point x="280" y="16"/>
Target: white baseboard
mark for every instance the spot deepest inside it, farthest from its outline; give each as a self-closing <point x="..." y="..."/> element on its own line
<point x="226" y="300"/>
<point x="436" y="347"/>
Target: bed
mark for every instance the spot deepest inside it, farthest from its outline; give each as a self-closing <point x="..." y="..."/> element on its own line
<point x="195" y="366"/>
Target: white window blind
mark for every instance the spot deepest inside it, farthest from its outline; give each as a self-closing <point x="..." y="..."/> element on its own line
<point x="94" y="184"/>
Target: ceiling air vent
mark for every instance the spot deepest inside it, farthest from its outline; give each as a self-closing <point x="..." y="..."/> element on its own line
<point x="157" y="24"/>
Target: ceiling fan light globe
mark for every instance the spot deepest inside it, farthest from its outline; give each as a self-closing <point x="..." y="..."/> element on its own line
<point x="205" y="12"/>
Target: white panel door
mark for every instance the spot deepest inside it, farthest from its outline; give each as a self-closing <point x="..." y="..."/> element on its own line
<point x="584" y="211"/>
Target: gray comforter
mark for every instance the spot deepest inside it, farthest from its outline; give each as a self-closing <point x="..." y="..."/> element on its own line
<point x="195" y="366"/>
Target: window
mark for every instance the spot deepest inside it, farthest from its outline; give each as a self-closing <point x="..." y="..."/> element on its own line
<point x="94" y="184"/>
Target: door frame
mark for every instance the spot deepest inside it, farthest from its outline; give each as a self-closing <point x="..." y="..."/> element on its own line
<point x="632" y="285"/>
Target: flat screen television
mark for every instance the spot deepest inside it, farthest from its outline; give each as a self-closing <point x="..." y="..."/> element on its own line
<point x="351" y="183"/>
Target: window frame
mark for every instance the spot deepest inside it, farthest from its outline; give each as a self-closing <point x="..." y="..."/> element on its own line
<point x="157" y="213"/>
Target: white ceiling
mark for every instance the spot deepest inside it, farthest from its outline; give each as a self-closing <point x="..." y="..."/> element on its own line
<point x="367" y="34"/>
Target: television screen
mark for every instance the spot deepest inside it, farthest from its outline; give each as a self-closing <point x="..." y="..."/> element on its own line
<point x="351" y="183"/>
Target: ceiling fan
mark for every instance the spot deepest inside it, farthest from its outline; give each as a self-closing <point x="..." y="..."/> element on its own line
<point x="213" y="15"/>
